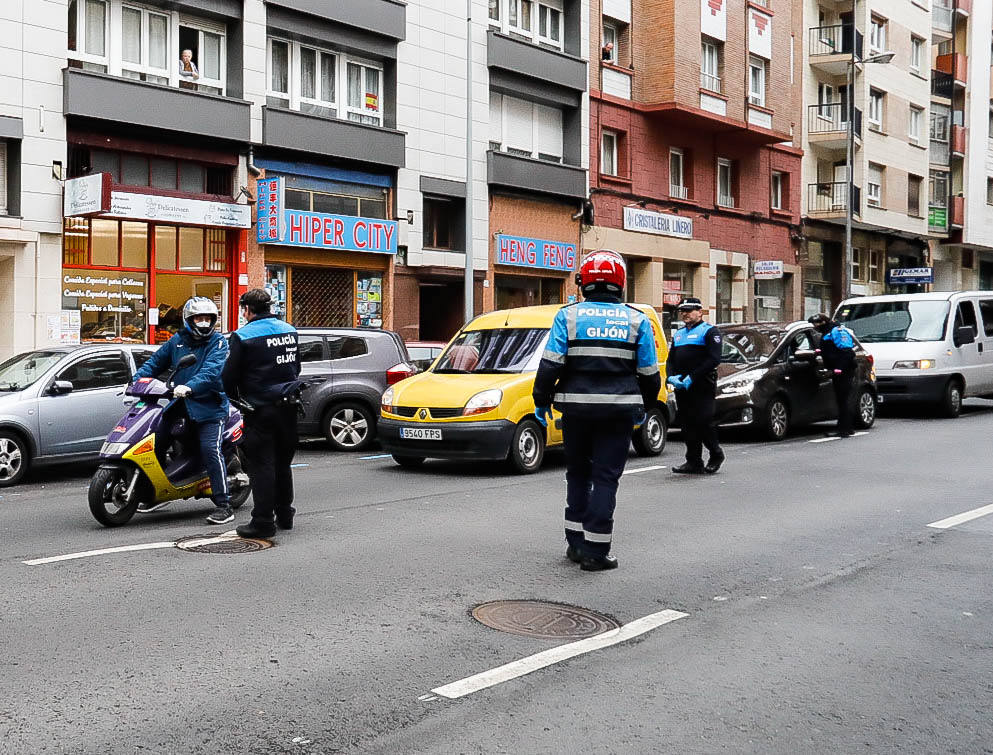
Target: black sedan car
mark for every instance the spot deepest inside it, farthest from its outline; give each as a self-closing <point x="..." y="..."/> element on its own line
<point x="772" y="378"/>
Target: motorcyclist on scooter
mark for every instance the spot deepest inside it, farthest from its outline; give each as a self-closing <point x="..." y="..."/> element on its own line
<point x="201" y="387"/>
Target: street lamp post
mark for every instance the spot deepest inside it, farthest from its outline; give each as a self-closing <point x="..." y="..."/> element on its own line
<point x="883" y="57"/>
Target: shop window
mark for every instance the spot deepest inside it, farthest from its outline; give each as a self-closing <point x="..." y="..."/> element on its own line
<point x="523" y="291"/>
<point x="275" y="286"/>
<point x="163" y="173"/>
<point x="134" y="245"/>
<point x="166" y="246"/>
<point x="103" y="243"/>
<point x="76" y="241"/>
<point x="335" y="204"/>
<point x="191" y="249"/>
<point x="444" y="223"/>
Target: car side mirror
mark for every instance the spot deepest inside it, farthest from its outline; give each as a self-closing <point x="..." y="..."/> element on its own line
<point x="60" y="387"/>
<point x="964" y="334"/>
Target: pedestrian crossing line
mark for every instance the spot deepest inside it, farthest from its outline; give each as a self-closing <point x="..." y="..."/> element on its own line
<point x="962" y="518"/>
<point x="532" y="663"/>
<point x="834" y="437"/>
<point x="636" y="470"/>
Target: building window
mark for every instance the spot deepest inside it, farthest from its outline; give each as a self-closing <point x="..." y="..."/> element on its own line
<point x="525" y="129"/>
<point x="3" y="178"/>
<point x="914" y="184"/>
<point x="877" y="34"/>
<point x="608" y="153"/>
<point x="444" y="223"/>
<point x="133" y="169"/>
<point x="309" y="79"/>
<point x="677" y="179"/>
<point x="916" y="53"/>
<point x="494" y="10"/>
<point x="155" y="46"/>
<point x="939" y="124"/>
<point x="519" y="15"/>
<point x="541" y="22"/>
<point x="876" y="109"/>
<point x="989" y="191"/>
<point x="725" y="183"/>
<point x="550" y="26"/>
<point x="858" y="264"/>
<point x="875" y="266"/>
<point x="938" y="189"/>
<point x="610" y="40"/>
<point x="756" y="81"/>
<point x="710" y="65"/>
<point x="778" y="190"/>
<point x="914" y="124"/>
<point x="874" y="186"/>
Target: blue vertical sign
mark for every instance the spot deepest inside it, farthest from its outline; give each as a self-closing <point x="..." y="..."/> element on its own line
<point x="269" y="208"/>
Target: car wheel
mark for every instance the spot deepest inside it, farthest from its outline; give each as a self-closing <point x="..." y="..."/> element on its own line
<point x="349" y="426"/>
<point x="777" y="419"/>
<point x="527" y="449"/>
<point x="14" y="459"/>
<point x="951" y="401"/>
<point x="408" y="462"/>
<point x="649" y="439"/>
<point x="865" y="409"/>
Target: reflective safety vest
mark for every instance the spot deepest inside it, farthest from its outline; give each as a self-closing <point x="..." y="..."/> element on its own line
<point x="597" y="350"/>
<point x="696" y="352"/>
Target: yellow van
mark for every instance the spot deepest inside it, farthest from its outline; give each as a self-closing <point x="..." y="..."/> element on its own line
<point x="474" y="402"/>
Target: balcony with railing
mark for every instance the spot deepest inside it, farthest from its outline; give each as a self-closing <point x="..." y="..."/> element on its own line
<point x="827" y="125"/>
<point x="831" y="47"/>
<point x="941" y="20"/>
<point x="710" y="82"/>
<point x="955" y="64"/>
<point x="830" y="200"/>
<point x="677" y="191"/>
<point x="943" y="84"/>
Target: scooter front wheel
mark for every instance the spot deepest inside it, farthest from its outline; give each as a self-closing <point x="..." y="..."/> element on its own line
<point x="107" y="497"/>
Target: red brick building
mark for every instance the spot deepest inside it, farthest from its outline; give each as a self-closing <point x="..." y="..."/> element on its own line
<point x="693" y="170"/>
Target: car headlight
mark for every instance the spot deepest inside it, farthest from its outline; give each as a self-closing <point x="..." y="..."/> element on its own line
<point x="114" y="449"/>
<point x="915" y="364"/>
<point x="737" y="387"/>
<point x="483" y="402"/>
<point x="386" y="402"/>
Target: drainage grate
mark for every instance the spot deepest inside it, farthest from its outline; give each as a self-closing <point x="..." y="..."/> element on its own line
<point x="538" y="618"/>
<point x="221" y="544"/>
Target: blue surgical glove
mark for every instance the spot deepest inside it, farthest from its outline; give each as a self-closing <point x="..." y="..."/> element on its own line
<point x="673" y="380"/>
<point x="687" y="382"/>
<point x="543" y="413"/>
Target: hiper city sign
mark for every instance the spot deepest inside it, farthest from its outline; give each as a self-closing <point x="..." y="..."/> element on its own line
<point x="275" y="224"/>
<point x="535" y="253"/>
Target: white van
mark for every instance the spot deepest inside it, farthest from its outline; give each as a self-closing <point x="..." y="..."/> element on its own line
<point x="935" y="347"/>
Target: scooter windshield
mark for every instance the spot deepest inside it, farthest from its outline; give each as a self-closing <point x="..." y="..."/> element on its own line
<point x="147" y="387"/>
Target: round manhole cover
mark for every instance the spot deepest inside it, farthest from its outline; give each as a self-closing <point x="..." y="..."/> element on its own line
<point x="537" y="618"/>
<point x="223" y="544"/>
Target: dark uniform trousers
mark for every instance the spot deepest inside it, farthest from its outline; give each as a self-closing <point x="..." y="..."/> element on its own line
<point x="843" y="396"/>
<point x="596" y="451"/>
<point x="269" y="444"/>
<point x="696" y="421"/>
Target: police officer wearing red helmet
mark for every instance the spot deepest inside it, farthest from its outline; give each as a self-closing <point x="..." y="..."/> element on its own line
<point x="600" y="370"/>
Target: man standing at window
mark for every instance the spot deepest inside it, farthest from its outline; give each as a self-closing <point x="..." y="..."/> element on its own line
<point x="262" y="372"/>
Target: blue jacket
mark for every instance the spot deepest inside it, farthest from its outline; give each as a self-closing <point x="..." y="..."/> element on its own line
<point x="600" y="361"/>
<point x="264" y="361"/>
<point x="208" y="400"/>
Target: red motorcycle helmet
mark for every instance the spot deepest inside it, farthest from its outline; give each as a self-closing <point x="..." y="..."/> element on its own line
<point x="602" y="271"/>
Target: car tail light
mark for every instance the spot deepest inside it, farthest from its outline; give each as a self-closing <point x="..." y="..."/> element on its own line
<point x="872" y="360"/>
<point x="399" y="372"/>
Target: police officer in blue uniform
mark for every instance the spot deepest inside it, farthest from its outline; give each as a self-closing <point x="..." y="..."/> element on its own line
<point x="692" y="370"/>
<point x="838" y="353"/>
<point x="600" y="370"/>
<point x="262" y="372"/>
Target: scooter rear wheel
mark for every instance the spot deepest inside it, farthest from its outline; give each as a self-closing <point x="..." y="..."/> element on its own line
<point x="106" y="497"/>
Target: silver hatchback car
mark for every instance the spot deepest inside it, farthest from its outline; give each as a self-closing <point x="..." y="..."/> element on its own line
<point x="58" y="404"/>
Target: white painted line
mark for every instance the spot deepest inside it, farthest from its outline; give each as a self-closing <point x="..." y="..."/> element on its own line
<point x="297" y="466"/>
<point x="532" y="663"/>
<point x="100" y="552"/>
<point x="967" y="516"/>
<point x="835" y="437"/>
<point x="377" y="456"/>
<point x="636" y="470"/>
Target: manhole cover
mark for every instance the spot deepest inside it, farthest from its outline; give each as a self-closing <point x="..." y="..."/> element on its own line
<point x="537" y="618"/>
<point x="223" y="544"/>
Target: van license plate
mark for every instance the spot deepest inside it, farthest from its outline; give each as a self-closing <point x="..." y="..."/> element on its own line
<point x="420" y="433"/>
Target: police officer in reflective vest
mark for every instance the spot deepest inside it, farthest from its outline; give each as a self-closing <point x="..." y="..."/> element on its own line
<point x="600" y="370"/>
<point x="838" y="353"/>
<point x="262" y="371"/>
<point x="692" y="370"/>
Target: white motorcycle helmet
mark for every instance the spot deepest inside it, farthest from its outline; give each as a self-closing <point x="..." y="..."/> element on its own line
<point x="198" y="307"/>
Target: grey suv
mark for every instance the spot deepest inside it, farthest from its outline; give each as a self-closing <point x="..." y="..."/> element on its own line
<point x="357" y="365"/>
<point x="58" y="404"/>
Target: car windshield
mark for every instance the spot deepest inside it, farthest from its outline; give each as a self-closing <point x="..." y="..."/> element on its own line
<point x="23" y="370"/>
<point x="743" y="345"/>
<point x="895" y="321"/>
<point x="493" y="351"/>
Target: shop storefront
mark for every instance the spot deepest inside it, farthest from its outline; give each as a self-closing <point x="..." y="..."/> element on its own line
<point x="130" y="261"/>
<point x="328" y="249"/>
<point x="531" y="271"/>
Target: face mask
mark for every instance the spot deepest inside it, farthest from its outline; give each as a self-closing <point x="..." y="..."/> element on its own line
<point x="202" y="322"/>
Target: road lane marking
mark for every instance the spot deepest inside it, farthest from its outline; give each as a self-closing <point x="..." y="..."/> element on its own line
<point x="377" y="456"/>
<point x="231" y="534"/>
<point x="636" y="470"/>
<point x="966" y="516"/>
<point x="297" y="466"/>
<point x="541" y="660"/>
<point x="834" y="437"/>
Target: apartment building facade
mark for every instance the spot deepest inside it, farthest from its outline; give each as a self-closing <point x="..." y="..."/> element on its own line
<point x="695" y="177"/>
<point x="317" y="149"/>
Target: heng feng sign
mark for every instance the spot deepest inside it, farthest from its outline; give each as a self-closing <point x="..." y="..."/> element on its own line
<point x="536" y="253"/>
<point x="275" y="224"/>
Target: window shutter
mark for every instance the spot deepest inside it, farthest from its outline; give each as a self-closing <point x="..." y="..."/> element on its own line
<point x="549" y="130"/>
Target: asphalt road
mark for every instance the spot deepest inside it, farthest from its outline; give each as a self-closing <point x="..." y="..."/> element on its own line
<point x="822" y="613"/>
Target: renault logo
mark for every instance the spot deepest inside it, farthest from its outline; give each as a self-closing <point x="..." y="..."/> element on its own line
<point x="423" y="414"/>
